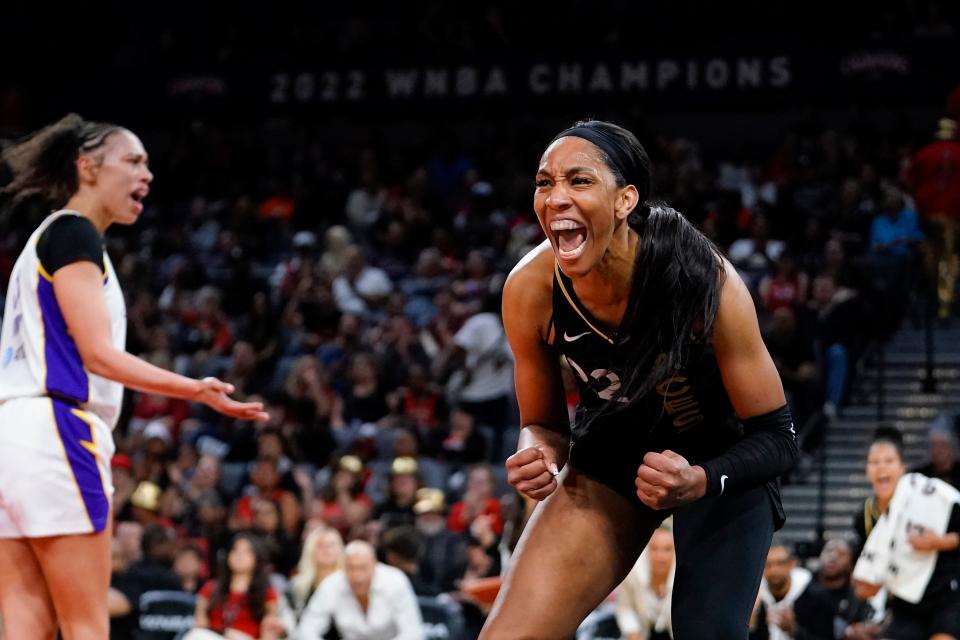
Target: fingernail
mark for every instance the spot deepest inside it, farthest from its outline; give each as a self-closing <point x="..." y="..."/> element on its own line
<point x="553" y="468"/>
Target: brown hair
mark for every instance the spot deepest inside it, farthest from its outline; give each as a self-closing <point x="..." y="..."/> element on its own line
<point x="43" y="164"/>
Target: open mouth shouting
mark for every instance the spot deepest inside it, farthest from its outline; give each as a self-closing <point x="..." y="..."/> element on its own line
<point x="884" y="484"/>
<point x="137" y="196"/>
<point x="570" y="238"/>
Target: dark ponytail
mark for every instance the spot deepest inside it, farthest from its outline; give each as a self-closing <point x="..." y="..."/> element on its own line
<point x="674" y="296"/>
<point x="677" y="276"/>
<point x="43" y="164"/>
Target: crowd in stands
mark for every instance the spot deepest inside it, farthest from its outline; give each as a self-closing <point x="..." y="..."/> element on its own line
<point x="356" y="293"/>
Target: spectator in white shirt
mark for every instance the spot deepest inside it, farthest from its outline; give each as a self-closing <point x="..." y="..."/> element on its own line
<point x="366" y="600"/>
<point x="361" y="288"/>
<point x="643" y="599"/>
<point x="755" y="255"/>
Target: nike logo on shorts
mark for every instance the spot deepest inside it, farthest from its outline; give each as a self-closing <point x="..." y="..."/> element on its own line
<point x="569" y="338"/>
<point x="723" y="482"/>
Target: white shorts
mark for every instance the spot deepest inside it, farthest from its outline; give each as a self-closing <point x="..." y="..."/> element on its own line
<point x="54" y="469"/>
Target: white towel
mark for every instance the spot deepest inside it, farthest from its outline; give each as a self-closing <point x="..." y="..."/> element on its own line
<point x="919" y="503"/>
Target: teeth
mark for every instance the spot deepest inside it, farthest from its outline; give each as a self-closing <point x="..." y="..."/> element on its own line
<point x="564" y="225"/>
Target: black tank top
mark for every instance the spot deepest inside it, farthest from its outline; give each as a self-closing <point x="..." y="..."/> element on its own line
<point x="688" y="412"/>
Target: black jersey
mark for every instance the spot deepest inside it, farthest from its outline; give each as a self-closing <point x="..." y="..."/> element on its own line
<point x="689" y="412"/>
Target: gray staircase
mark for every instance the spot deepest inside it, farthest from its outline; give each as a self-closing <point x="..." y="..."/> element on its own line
<point x="906" y="407"/>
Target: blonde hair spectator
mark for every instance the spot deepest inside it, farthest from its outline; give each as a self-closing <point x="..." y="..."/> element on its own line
<point x="322" y="555"/>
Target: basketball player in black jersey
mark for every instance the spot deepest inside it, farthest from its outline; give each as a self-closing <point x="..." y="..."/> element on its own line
<point x="682" y="411"/>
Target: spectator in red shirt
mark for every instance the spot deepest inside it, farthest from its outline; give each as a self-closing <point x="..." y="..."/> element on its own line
<point x="343" y="504"/>
<point x="241" y="598"/>
<point x="933" y="176"/>
<point x="478" y="499"/>
<point x="265" y="483"/>
<point x="785" y="287"/>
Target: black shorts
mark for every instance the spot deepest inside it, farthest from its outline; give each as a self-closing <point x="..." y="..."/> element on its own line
<point x="920" y="621"/>
<point x="608" y="457"/>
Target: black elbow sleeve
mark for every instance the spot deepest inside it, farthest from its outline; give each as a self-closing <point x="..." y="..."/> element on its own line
<point x="767" y="451"/>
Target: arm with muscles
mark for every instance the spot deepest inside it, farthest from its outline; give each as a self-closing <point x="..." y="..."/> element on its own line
<point x="79" y="291"/>
<point x="769" y="446"/>
<point x="545" y="427"/>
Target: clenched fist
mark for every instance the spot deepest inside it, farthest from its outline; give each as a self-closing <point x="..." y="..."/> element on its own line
<point x="666" y="480"/>
<point x="532" y="472"/>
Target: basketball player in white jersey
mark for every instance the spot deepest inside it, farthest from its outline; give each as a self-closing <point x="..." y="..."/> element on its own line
<point x="62" y="372"/>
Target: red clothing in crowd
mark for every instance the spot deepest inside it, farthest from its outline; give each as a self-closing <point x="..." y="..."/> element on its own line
<point x="421" y="408"/>
<point x="783" y="292"/>
<point x="459" y="520"/>
<point x="934" y="178"/>
<point x="235" y="612"/>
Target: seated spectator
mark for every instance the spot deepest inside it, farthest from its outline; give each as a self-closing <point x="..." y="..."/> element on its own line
<point x="755" y="256"/>
<point x="242" y="370"/>
<point x="322" y="555"/>
<point x="314" y="406"/>
<point x="785" y="287"/>
<point x="403" y="548"/>
<point x="913" y="550"/>
<point x="209" y="526"/>
<point x="895" y="231"/>
<point x="342" y="503"/>
<point x="124" y="483"/>
<point x="145" y="506"/>
<point x="833" y="262"/>
<point x="397" y="509"/>
<point x="205" y="326"/>
<point x="791" y="604"/>
<point x="835" y="578"/>
<point x="478" y="500"/>
<point x="422" y="405"/>
<point x="943" y="463"/>
<point x="361" y="288"/>
<point x="643" y="598"/>
<point x="366" y="600"/>
<point x="364" y="400"/>
<point x="461" y="443"/>
<point x="482" y="366"/>
<point x="280" y="548"/>
<point x="444" y="552"/>
<point x="151" y="573"/>
<point x="240" y="598"/>
<point x="399" y="344"/>
<point x="429" y="277"/>
<point x="833" y="315"/>
<point x="430" y="471"/>
<point x="894" y="236"/>
<point x="364" y="203"/>
<point x="189" y="565"/>
<point x="204" y="477"/>
<point x="265" y="484"/>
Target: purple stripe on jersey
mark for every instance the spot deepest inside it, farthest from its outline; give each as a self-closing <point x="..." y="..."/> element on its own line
<point x="83" y="463"/>
<point x="65" y="373"/>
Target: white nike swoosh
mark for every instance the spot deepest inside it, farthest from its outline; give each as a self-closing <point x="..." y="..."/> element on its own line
<point x="569" y="338"/>
<point x="723" y="482"/>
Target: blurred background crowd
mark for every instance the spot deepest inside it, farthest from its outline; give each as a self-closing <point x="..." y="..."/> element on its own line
<point x="347" y="273"/>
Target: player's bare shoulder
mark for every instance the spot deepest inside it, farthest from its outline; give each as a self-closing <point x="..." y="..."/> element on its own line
<point x="528" y="291"/>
